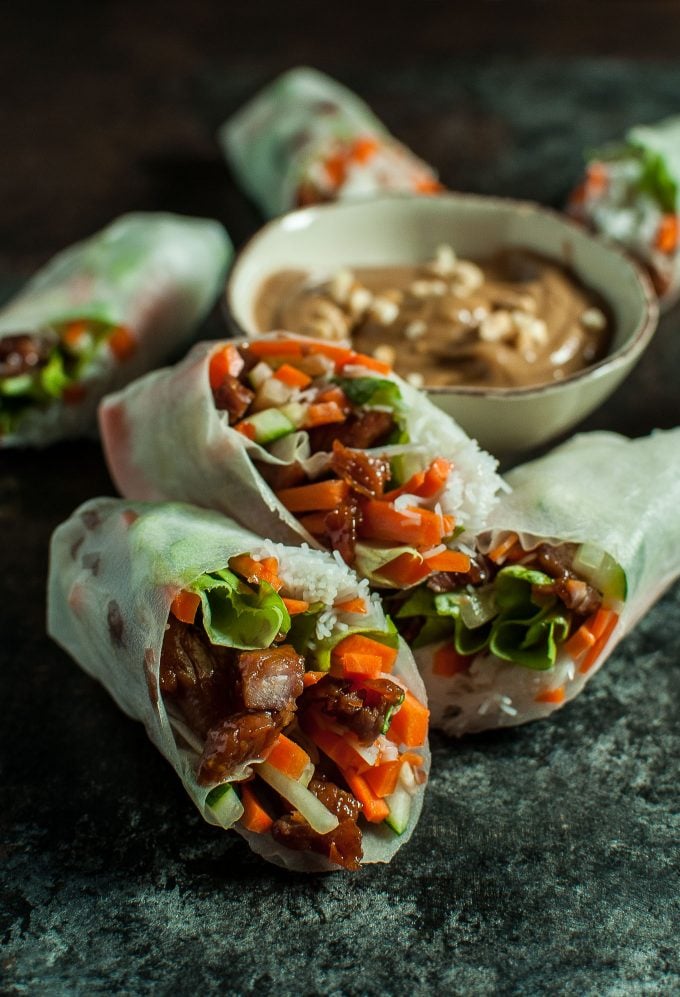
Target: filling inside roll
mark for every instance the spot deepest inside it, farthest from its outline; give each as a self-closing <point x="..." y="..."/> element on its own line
<point x="251" y="673"/>
<point x="38" y="368"/>
<point x="523" y="604"/>
<point x="340" y="458"/>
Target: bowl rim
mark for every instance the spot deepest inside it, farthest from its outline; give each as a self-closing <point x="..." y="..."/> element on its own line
<point x="634" y="345"/>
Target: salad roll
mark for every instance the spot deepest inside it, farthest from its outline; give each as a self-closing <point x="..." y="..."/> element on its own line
<point x="100" y="314"/>
<point x="267" y="676"/>
<point x="574" y="555"/>
<point x="630" y="193"/>
<point x="304" y="440"/>
<point x="306" y="139"/>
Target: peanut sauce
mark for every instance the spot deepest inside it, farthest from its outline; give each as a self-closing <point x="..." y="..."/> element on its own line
<point x="515" y="320"/>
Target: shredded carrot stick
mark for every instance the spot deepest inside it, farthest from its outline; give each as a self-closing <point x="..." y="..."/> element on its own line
<point x="255" y="571"/>
<point x="357" y="644"/>
<point x="448" y="662"/>
<point x="246" y="429"/>
<point x="344" y="755"/>
<point x="296" y="606"/>
<point x="449" y="560"/>
<point x="370" y="363"/>
<point x="122" y="343"/>
<point x="497" y="555"/>
<point x="336" y="168"/>
<point x="185" y="606"/>
<point x="322" y="495"/>
<point x="605" y="628"/>
<point x="311" y="678"/>
<point x="410" y="722"/>
<point x="597" y="179"/>
<point x="288" y="757"/>
<point x="415" y="527"/>
<point x="405" y="570"/>
<point x="667" y="234"/>
<point x="580" y="641"/>
<point x="363" y="149"/>
<point x="323" y="413"/>
<point x="315" y="523"/>
<point x="292" y="377"/>
<point x="74" y="333"/>
<point x="357" y="605"/>
<point x="383" y="779"/>
<point x="275" y="347"/>
<point x="409" y="487"/>
<point x="255" y="817"/>
<point x="225" y="362"/>
<point x="374" y="809"/>
<point x="428" y="186"/>
<point x="435" y="477"/>
<point x="551" y="695"/>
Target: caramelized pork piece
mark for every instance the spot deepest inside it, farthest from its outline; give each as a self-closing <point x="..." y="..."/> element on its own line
<point x="341" y="846"/>
<point x="24" y="353"/>
<point x="576" y="594"/>
<point x="362" y="709"/>
<point x="365" y="474"/>
<point x="270" y="679"/>
<point x="360" y="431"/>
<point x="233" y="397"/>
<point x="341" y="528"/>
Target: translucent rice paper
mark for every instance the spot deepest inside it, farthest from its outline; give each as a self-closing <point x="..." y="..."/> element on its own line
<point x="622" y="495"/>
<point x="198" y="458"/>
<point x="156" y="274"/>
<point x="115" y="568"/>
<point x="629" y="190"/>
<point x="279" y="142"/>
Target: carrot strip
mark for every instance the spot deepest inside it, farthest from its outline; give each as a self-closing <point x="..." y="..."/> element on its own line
<point x="448" y="662"/>
<point x="667" y="234"/>
<point x="449" y="560"/>
<point x="225" y="362"/>
<point x="383" y="779"/>
<point x="357" y="605"/>
<point x="375" y="810"/>
<point x="336" y="168"/>
<point x="409" y="487"/>
<point x="363" y="149"/>
<point x="597" y="179"/>
<point x="122" y="343"/>
<point x="333" y="745"/>
<point x="428" y="186"/>
<point x="415" y="527"/>
<point x="580" y="642"/>
<point x="357" y="644"/>
<point x="310" y="498"/>
<point x="311" y="678"/>
<point x="497" y="555"/>
<point x="74" y="333"/>
<point x="185" y="606"/>
<point x="410" y="722"/>
<point x="255" y="817"/>
<point x="370" y="363"/>
<point x="405" y="570"/>
<point x="257" y="571"/>
<point x="315" y="522"/>
<point x="323" y="413"/>
<point x="275" y="347"/>
<point x="551" y="695"/>
<point x="356" y="666"/>
<point x="600" y="644"/>
<point x="288" y="757"/>
<point x="246" y="429"/>
<point x="296" y="606"/>
<point x="435" y="477"/>
<point x="293" y="377"/>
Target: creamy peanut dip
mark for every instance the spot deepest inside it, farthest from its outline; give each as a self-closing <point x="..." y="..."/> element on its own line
<point x="515" y="320"/>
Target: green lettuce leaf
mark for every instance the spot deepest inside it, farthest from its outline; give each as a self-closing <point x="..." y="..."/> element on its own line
<point x="367" y="392"/>
<point x="236" y="615"/>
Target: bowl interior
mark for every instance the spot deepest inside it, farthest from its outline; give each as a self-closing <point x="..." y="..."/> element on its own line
<point x="395" y="230"/>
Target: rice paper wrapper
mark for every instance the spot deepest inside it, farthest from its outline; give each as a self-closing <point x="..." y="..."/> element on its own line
<point x="292" y="144"/>
<point x="623" y="496"/>
<point x="631" y="193"/>
<point x="199" y="458"/>
<point x="115" y="567"/>
<point x="156" y="274"/>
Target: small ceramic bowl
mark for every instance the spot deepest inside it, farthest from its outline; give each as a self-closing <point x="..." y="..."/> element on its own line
<point x="407" y="230"/>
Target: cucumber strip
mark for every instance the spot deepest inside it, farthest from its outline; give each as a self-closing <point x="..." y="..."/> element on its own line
<point x="224" y="804"/>
<point x="270" y="425"/>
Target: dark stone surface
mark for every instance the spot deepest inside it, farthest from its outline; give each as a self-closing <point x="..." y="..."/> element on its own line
<point x="546" y="859"/>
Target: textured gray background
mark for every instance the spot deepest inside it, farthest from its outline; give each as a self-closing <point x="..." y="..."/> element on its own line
<point x="546" y="859"/>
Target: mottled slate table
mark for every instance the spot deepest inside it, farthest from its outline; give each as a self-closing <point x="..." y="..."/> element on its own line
<point x="547" y="857"/>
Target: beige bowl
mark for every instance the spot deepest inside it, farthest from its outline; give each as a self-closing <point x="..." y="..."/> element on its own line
<point x="407" y="230"/>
